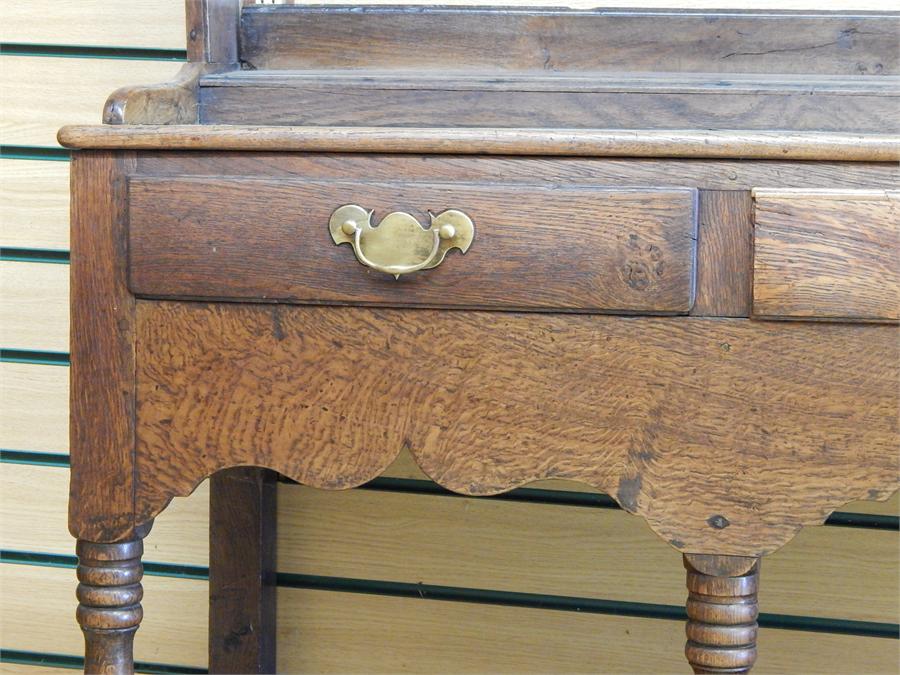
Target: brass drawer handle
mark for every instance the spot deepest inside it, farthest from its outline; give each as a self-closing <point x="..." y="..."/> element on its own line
<point x="400" y="244"/>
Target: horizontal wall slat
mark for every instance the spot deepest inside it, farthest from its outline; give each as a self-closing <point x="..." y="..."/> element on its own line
<point x="179" y="535"/>
<point x="472" y="543"/>
<point x="34" y="204"/>
<point x="7" y="668"/>
<point x="38" y="614"/>
<point x="136" y="23"/>
<point x="34" y="306"/>
<point x="34" y="407"/>
<point x="38" y="95"/>
<point x="333" y="632"/>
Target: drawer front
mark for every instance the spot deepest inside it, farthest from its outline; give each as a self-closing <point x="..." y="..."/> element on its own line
<point x="628" y="250"/>
<point x="827" y="255"/>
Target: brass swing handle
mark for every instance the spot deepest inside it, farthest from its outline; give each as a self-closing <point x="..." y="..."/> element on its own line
<point x="400" y="244"/>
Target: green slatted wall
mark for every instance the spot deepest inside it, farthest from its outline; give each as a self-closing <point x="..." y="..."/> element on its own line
<point x="399" y="576"/>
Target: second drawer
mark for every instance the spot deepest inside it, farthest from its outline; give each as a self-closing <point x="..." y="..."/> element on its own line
<point x="585" y="248"/>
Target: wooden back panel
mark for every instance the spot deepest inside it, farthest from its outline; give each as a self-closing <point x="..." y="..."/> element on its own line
<point x="553" y="40"/>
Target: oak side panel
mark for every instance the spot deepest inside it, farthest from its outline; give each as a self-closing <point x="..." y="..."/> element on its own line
<point x="536" y="247"/>
<point x="724" y="253"/>
<point x="727" y="435"/>
<point x="101" y="505"/>
<point x="827" y="255"/>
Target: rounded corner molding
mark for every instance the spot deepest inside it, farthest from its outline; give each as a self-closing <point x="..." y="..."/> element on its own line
<point x="400" y="244"/>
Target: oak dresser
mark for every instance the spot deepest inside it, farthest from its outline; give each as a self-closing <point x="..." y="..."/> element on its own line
<point x="656" y="252"/>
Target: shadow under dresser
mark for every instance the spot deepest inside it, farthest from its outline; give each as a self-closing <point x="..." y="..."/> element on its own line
<point x="646" y="251"/>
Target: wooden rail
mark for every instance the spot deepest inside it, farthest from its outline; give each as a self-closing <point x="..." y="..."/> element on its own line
<point x="576" y="142"/>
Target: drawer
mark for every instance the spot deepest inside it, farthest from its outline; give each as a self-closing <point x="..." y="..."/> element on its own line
<point x="832" y="255"/>
<point x="585" y="248"/>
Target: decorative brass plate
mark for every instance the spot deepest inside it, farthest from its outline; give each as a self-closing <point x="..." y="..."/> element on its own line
<point x="400" y="244"/>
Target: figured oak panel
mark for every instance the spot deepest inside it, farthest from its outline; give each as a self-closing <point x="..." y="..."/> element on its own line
<point x="827" y="255"/>
<point x="536" y="247"/>
<point x="727" y="435"/>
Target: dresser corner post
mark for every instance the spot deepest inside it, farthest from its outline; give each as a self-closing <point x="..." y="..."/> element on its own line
<point x="102" y="411"/>
<point x="722" y="610"/>
<point x="109" y="603"/>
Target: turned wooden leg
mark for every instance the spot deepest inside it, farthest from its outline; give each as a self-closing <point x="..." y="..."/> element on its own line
<point x="109" y="603"/>
<point x="722" y="610"/>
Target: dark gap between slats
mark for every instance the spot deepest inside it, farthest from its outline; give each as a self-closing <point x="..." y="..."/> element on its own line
<point x="35" y="357"/>
<point x="36" y="255"/>
<point x="644" y="610"/>
<point x="872" y="521"/>
<point x="49" y="660"/>
<point x="92" y="52"/>
<point x="38" y="152"/>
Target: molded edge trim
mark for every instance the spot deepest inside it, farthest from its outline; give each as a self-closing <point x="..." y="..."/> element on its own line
<point x="698" y="144"/>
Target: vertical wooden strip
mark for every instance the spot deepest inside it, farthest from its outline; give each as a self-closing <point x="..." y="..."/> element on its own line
<point x="212" y="30"/>
<point x="724" y="253"/>
<point x="242" y="571"/>
<point x="101" y="504"/>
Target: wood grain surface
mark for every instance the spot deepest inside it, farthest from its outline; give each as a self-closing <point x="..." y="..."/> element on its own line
<point x="212" y="31"/>
<point x="171" y="102"/>
<point x="827" y="255"/>
<point x="787" y="421"/>
<point x="401" y="99"/>
<point x="242" y="570"/>
<point x="526" y="39"/>
<point x="715" y="174"/>
<point x="101" y="505"/>
<point x="564" y="142"/>
<point x="846" y="572"/>
<point x="724" y="254"/>
<point x="34" y="415"/>
<point x="537" y="247"/>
